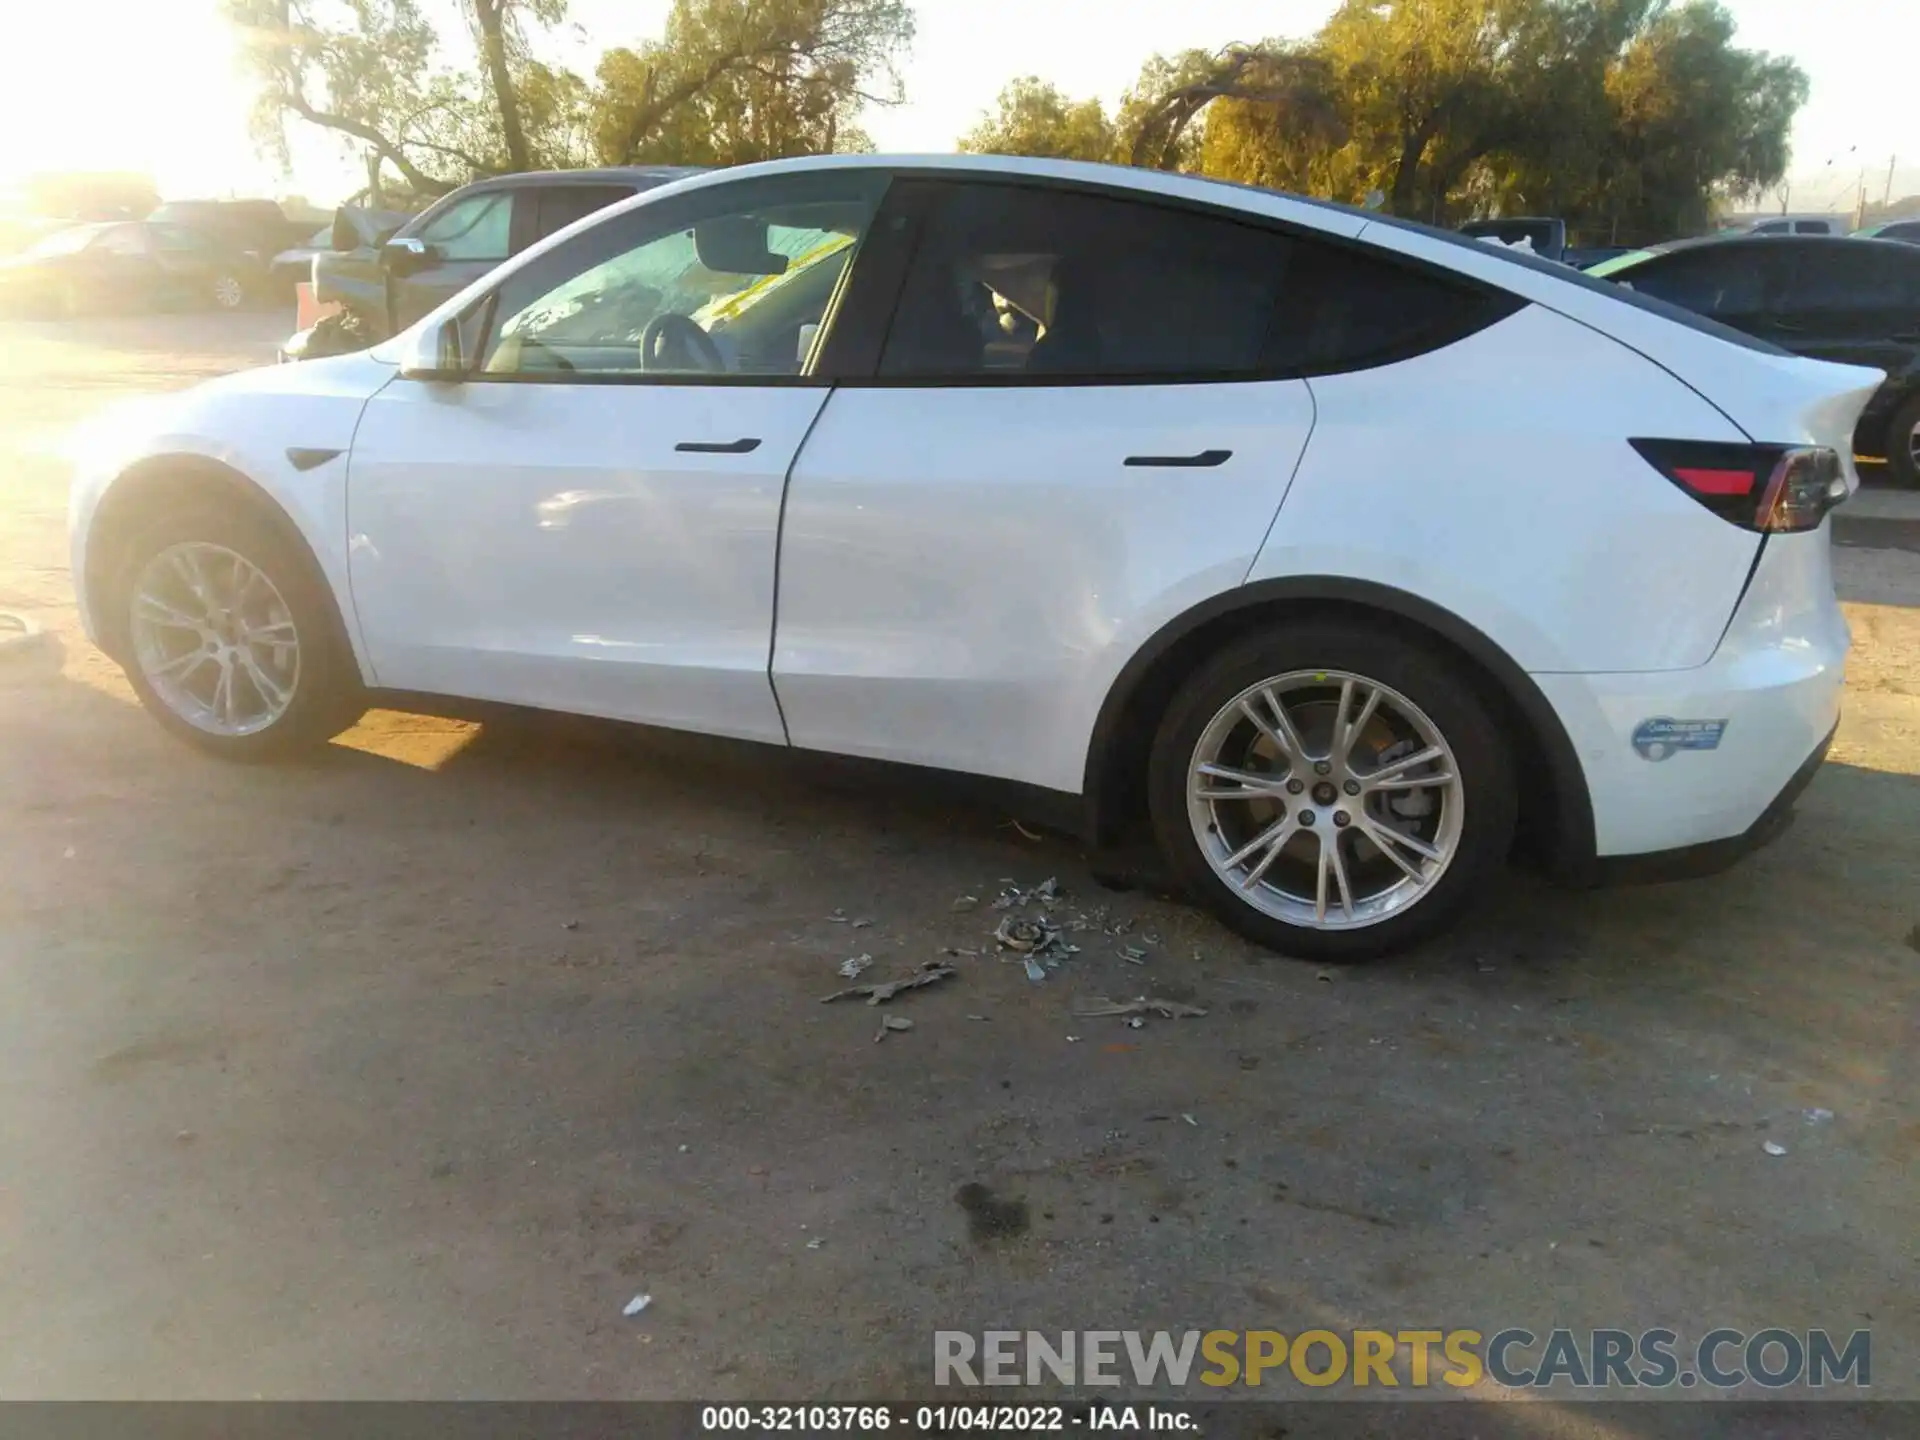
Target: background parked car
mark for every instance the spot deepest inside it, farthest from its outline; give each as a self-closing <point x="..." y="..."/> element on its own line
<point x="127" y="265"/>
<point x="1791" y="225"/>
<point x="1906" y="231"/>
<point x="258" y="229"/>
<point x="295" y="263"/>
<point x="446" y="247"/>
<point x="1827" y="297"/>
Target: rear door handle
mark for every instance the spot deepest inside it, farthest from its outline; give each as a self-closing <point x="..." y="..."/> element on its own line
<point x="1205" y="460"/>
<point x="719" y="447"/>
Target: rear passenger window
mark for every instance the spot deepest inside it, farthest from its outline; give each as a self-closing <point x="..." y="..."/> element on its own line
<point x="1036" y="285"/>
<point x="1053" y="284"/>
<point x="1721" y="281"/>
<point x="561" y="205"/>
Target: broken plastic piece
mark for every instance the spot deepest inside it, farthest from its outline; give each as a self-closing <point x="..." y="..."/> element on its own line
<point x="1773" y="1147"/>
<point x="1036" y="972"/>
<point x="929" y="973"/>
<point x="636" y="1305"/>
<point x="853" y="966"/>
<point x="891" y="1022"/>
<point x="1141" y="1005"/>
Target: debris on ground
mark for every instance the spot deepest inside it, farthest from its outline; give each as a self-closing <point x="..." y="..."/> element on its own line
<point x="861" y="924"/>
<point x="1046" y="893"/>
<point x="1016" y="934"/>
<point x="1773" y="1147"/>
<point x="977" y="1017"/>
<point x="636" y="1305"/>
<point x="965" y="903"/>
<point x="1136" y="1022"/>
<point x="1323" y="975"/>
<point x="929" y="973"/>
<point x="838" y="917"/>
<point x="854" y="966"/>
<point x="1133" y="955"/>
<point x="569" y="924"/>
<point x="891" y="1022"/>
<point x="1140" y="1005"/>
<point x="815" y="1243"/>
<point x="1819" y="1115"/>
<point x="1024" y="831"/>
<point x="1036" y="972"/>
<point x="1189" y="1119"/>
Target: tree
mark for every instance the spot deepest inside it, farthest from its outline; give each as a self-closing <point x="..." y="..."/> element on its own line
<point x="362" y="68"/>
<point x="739" y="80"/>
<point x="1273" y="86"/>
<point x="497" y="32"/>
<point x="1034" y="118"/>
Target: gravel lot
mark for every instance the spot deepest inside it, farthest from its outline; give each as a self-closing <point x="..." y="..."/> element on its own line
<point x="399" y="1073"/>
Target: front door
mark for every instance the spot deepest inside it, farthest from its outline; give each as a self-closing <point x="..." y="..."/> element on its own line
<point x="1067" y="443"/>
<point x="589" y="521"/>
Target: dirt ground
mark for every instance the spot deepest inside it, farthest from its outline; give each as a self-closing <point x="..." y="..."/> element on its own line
<point x="399" y="1073"/>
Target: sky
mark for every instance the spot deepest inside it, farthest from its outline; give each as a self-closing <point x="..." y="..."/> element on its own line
<point x="152" y="85"/>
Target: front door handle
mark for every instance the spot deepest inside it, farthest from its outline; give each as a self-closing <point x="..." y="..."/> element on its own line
<point x="719" y="447"/>
<point x="1205" y="460"/>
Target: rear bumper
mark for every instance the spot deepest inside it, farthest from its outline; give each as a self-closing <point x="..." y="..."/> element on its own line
<point x="1690" y="862"/>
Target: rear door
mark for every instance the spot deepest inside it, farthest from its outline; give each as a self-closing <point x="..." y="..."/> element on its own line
<point x="468" y="238"/>
<point x="551" y="208"/>
<point x="1067" y="442"/>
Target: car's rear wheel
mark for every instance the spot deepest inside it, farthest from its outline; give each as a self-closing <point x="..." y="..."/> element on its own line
<point x="228" y="291"/>
<point x="1903" y="444"/>
<point x="232" y="642"/>
<point x="1332" y="791"/>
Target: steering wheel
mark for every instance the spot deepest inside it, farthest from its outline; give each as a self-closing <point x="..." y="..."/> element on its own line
<point x="674" y="342"/>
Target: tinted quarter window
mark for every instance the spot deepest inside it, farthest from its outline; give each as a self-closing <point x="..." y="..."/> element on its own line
<point x="1348" y="309"/>
<point x="1857" y="278"/>
<point x="1812" y="227"/>
<point x="1037" y="284"/>
<point x="561" y="205"/>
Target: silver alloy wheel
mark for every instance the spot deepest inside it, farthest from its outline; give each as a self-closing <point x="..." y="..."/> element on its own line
<point x="1913" y="445"/>
<point x="228" y="292"/>
<point x="1325" y="799"/>
<point x="214" y="639"/>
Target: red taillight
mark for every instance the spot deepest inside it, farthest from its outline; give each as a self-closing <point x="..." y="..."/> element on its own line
<point x="1768" y="488"/>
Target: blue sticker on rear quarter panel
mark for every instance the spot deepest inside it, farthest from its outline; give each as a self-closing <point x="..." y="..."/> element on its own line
<point x="1660" y="737"/>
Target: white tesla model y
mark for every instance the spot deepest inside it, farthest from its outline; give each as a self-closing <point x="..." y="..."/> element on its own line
<point x="1354" y="556"/>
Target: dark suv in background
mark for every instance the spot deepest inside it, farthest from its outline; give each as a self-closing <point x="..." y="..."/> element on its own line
<point x="256" y="229"/>
<point x="1825" y="297"/>
<point x="439" y="252"/>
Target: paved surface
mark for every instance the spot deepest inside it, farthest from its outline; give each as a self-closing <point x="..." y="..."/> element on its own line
<point x="398" y="1073"/>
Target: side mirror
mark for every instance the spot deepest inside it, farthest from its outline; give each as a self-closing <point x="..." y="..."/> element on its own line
<point x="433" y="353"/>
<point x="404" y="257"/>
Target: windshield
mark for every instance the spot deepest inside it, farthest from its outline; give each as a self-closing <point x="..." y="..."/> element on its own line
<point x="65" y="242"/>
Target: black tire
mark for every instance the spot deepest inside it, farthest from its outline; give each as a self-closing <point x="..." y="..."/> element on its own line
<point x="1437" y="686"/>
<point x="328" y="696"/>
<point x="1903" y="466"/>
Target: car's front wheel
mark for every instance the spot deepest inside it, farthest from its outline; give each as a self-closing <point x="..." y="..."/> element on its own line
<point x="1332" y="791"/>
<point x="232" y="642"/>
<point x="1903" y="444"/>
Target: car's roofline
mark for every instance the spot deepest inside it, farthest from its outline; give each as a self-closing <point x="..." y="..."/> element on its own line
<point x="537" y="179"/>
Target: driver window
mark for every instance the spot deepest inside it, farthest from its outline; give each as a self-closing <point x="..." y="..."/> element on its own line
<point x="472" y="229"/>
<point x="741" y="289"/>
